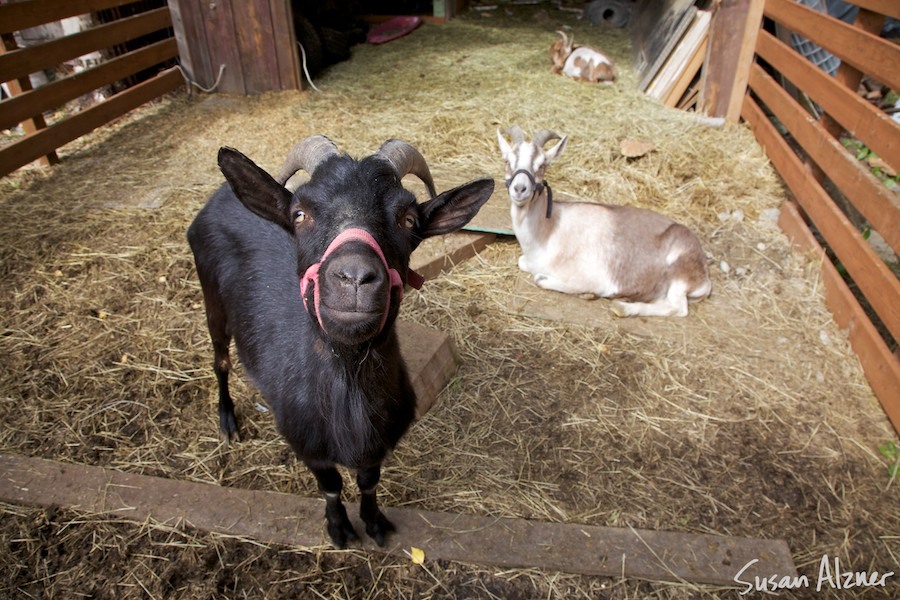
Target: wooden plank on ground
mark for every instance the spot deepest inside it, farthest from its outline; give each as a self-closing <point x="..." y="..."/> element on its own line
<point x="882" y="368"/>
<point x="437" y="254"/>
<point x="431" y="360"/>
<point x="279" y="518"/>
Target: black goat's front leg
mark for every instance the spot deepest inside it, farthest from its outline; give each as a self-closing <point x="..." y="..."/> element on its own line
<point x="340" y="530"/>
<point x="377" y="525"/>
<point x="221" y="340"/>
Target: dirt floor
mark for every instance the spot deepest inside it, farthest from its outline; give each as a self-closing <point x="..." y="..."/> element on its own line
<point x="751" y="417"/>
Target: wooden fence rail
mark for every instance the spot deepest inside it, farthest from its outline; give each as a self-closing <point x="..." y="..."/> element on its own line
<point x="822" y="158"/>
<point x="27" y="105"/>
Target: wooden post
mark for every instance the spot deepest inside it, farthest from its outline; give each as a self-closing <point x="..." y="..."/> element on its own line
<point x="732" y="45"/>
<point x="19" y="86"/>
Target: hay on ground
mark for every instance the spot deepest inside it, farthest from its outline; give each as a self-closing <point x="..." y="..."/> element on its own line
<point x="749" y="418"/>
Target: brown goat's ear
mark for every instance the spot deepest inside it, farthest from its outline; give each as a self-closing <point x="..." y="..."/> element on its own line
<point x="255" y="188"/>
<point x="451" y="210"/>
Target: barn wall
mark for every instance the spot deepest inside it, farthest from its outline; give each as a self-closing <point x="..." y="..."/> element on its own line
<point x="237" y="46"/>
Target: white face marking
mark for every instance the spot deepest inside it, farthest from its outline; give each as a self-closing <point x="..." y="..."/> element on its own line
<point x="526" y="157"/>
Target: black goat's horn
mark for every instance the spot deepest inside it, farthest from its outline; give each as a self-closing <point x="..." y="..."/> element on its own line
<point x="406" y="159"/>
<point x="306" y="155"/>
<point x="543" y="136"/>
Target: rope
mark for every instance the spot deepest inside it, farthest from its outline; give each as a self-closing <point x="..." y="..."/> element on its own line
<point x="305" y="70"/>
<point x="190" y="82"/>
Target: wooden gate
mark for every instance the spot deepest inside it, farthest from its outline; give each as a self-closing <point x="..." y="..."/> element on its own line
<point x="136" y="43"/>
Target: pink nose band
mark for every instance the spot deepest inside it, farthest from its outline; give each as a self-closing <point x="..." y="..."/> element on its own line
<point x="355" y="234"/>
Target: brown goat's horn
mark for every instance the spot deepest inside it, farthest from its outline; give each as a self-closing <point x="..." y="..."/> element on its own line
<point x="516" y="134"/>
<point x="564" y="37"/>
<point x="543" y="136"/>
<point x="405" y="159"/>
<point x="306" y="155"/>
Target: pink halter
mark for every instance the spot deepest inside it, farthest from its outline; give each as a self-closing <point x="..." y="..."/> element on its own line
<point x="355" y="234"/>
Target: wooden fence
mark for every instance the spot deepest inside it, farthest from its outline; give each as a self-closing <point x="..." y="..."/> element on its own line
<point x="805" y="147"/>
<point x="137" y="43"/>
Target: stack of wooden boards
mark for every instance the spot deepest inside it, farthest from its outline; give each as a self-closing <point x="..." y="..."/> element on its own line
<point x="670" y="42"/>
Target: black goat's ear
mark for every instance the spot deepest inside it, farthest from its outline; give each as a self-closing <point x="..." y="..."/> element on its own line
<point x="255" y="188"/>
<point x="451" y="210"/>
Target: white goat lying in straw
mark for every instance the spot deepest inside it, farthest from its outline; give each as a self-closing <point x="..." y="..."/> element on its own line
<point x="580" y="62"/>
<point x="651" y="265"/>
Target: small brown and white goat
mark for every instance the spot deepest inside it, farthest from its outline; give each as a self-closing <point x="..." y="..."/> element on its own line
<point x="580" y="62"/>
<point x="649" y="264"/>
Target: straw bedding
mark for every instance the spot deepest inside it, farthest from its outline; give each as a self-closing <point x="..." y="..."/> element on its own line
<point x="751" y="417"/>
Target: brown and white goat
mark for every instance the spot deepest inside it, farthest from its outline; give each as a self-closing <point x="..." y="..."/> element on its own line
<point x="580" y="62"/>
<point x="649" y="264"/>
<point x="309" y="285"/>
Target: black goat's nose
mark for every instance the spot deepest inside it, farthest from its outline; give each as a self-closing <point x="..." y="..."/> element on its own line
<point x="356" y="271"/>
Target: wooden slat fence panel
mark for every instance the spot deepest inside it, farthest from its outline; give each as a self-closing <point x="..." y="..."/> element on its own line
<point x="56" y="93"/>
<point x="22" y="15"/>
<point x="865" y="51"/>
<point x="805" y="151"/>
<point x="17" y="64"/>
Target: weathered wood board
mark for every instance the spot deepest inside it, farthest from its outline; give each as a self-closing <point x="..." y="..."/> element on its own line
<point x="431" y="360"/>
<point x="279" y="518"/>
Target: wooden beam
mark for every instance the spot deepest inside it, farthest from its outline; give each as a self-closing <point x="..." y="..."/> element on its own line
<point x="880" y="365"/>
<point x="880" y="286"/>
<point x="287" y="519"/>
<point x="732" y="44"/>
<point x="40" y="143"/>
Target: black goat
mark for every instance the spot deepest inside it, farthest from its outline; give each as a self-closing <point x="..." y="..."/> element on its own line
<point x="309" y="285"/>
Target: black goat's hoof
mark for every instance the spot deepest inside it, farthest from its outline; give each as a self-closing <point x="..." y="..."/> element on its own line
<point x="228" y="429"/>
<point x="229" y="438"/>
<point x="379" y="527"/>
<point x="341" y="534"/>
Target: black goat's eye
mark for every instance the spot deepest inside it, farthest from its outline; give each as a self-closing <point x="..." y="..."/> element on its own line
<point x="299" y="217"/>
<point x="409" y="222"/>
